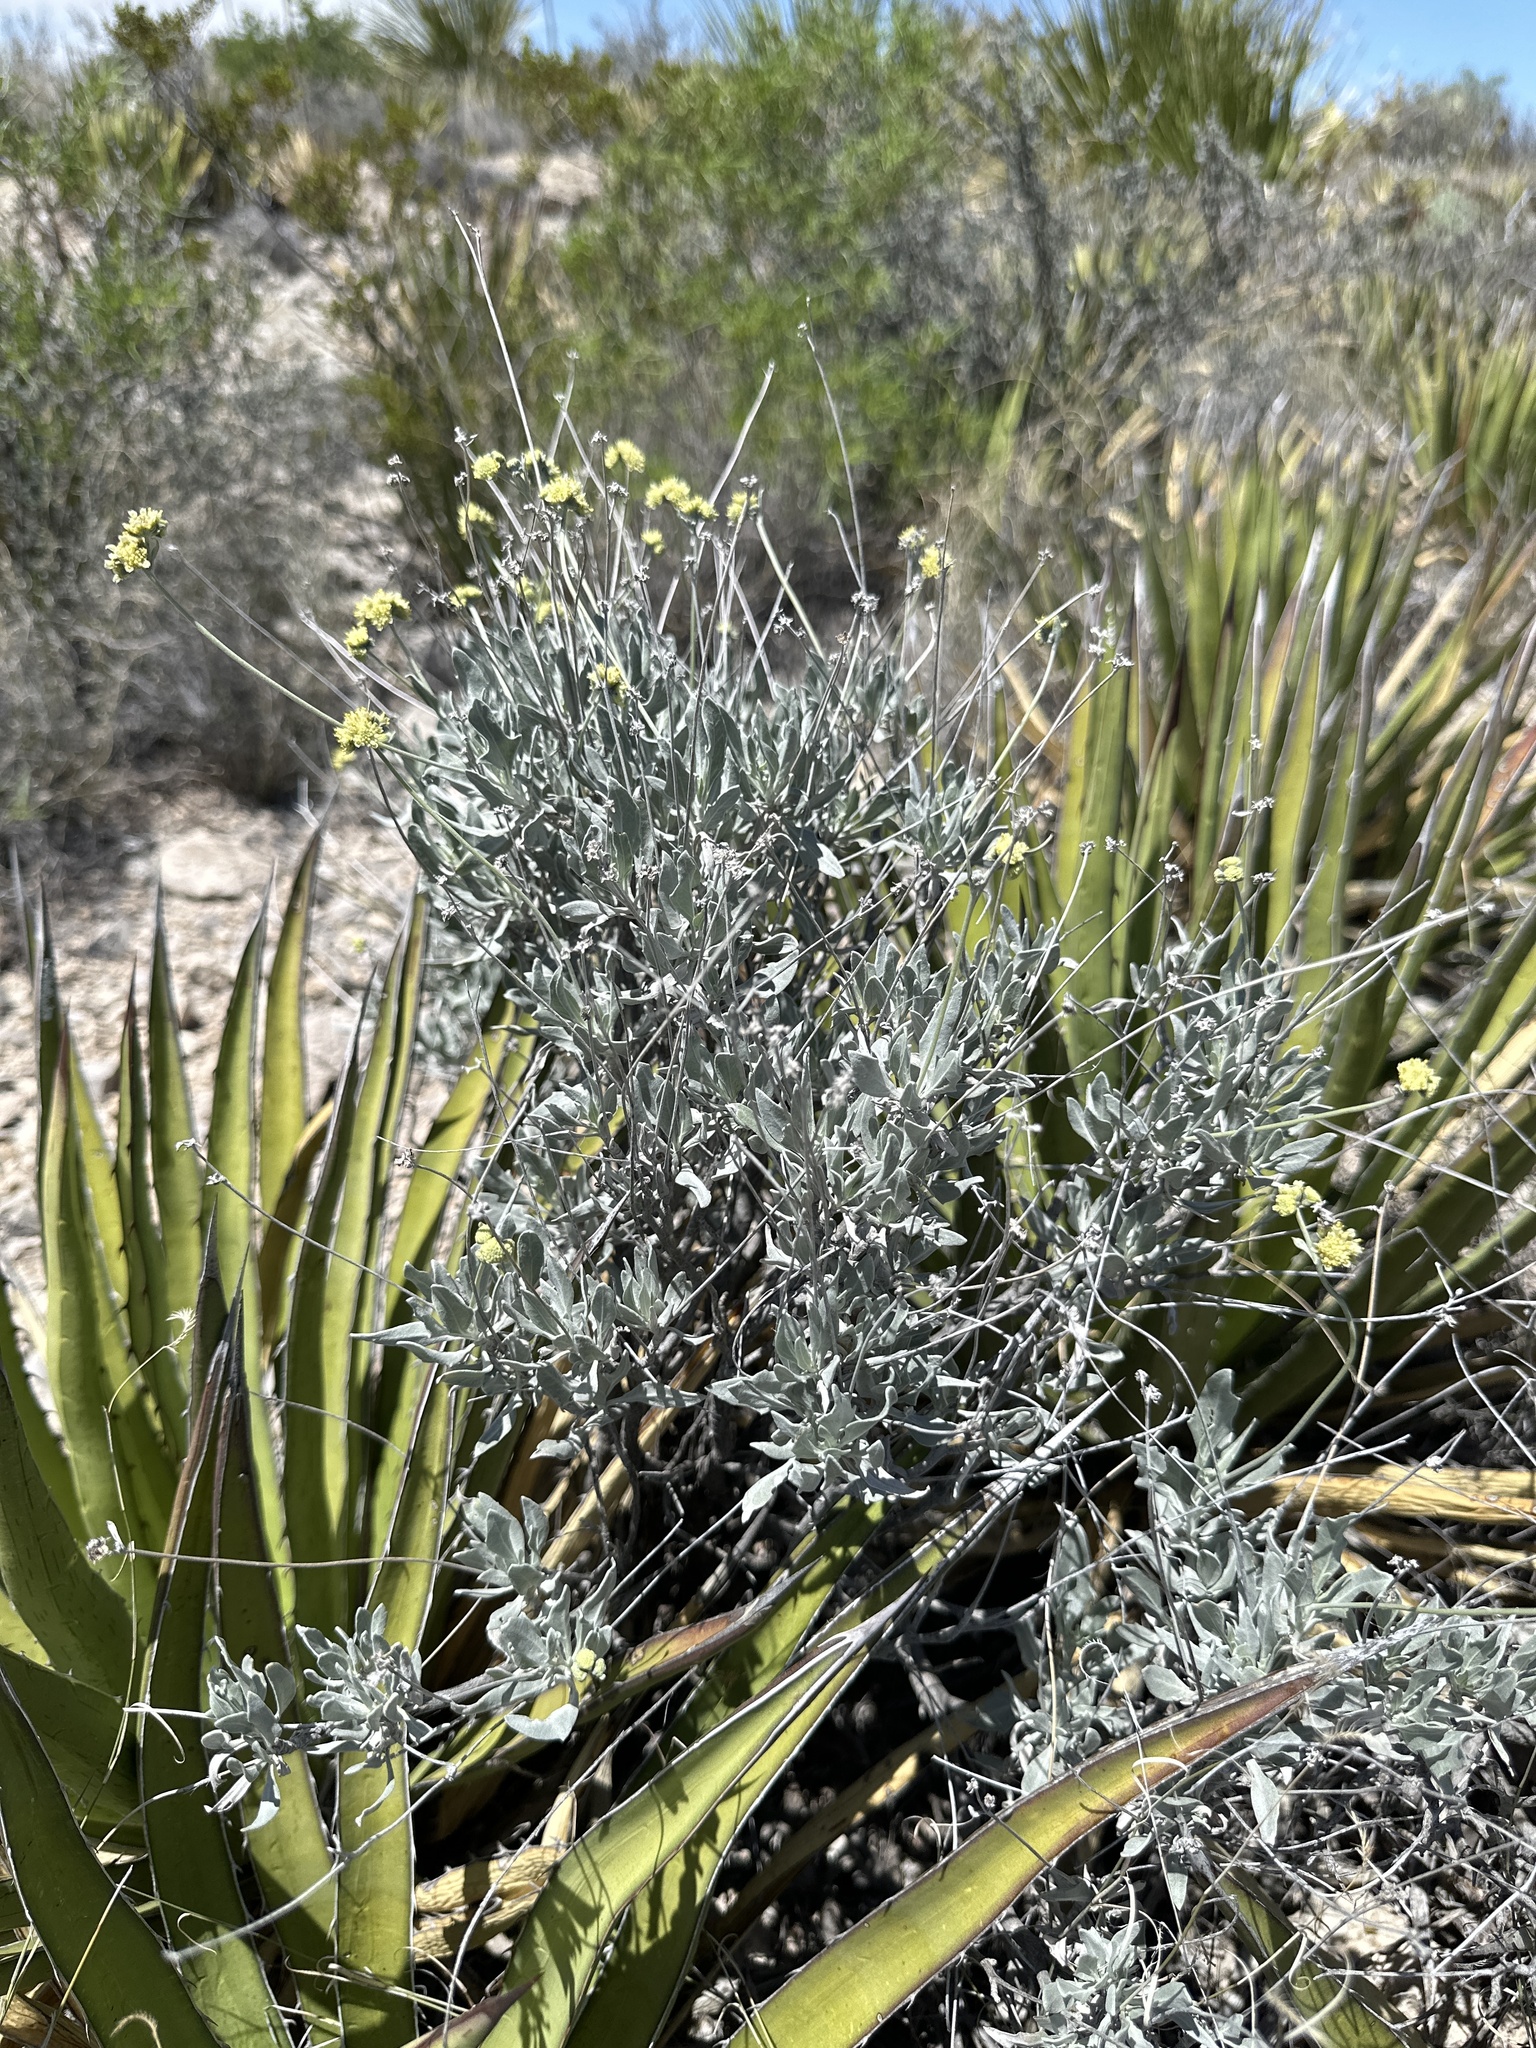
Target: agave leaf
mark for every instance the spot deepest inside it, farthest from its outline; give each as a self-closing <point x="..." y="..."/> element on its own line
<point x="506" y="1048"/>
<point x="878" y="1787"/>
<point x="47" y="1456"/>
<point x="654" y="1947"/>
<point x="231" y="1191"/>
<point x="470" y="2028"/>
<point x="843" y="1994"/>
<point x="359" y="1227"/>
<point x="381" y="1104"/>
<point x="229" y="1203"/>
<point x="656" y="1944"/>
<point x="563" y="1940"/>
<point x="144" y="1253"/>
<point x="1326" y="2010"/>
<point x="81" y="1730"/>
<point x="100" y="1178"/>
<point x="374" y="1908"/>
<point x="94" y="1939"/>
<point x="281" y="1238"/>
<point x="188" y="1849"/>
<point x="283" y="1093"/>
<point x="77" y="1617"/>
<point x="814" y="1568"/>
<point x="173" y="1139"/>
<point x="119" y="1466"/>
<point x="316" y="1360"/>
<point x="290" y="1854"/>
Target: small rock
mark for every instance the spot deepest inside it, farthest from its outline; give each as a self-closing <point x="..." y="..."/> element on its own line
<point x="204" y="868"/>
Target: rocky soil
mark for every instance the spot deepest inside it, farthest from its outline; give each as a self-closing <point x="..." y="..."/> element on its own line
<point x="214" y="856"/>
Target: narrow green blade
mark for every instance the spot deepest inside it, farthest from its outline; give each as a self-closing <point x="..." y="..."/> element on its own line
<point x="94" y="1939"/>
<point x="283" y="1098"/>
<point x="843" y="1994"/>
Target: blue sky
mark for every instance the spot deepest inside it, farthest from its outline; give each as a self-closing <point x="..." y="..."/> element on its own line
<point x="1372" y="40"/>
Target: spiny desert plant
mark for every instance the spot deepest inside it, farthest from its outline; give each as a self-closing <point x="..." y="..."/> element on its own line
<point x="1469" y="396"/>
<point x="1156" y="75"/>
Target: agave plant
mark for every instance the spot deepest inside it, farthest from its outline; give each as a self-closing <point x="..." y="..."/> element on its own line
<point x="889" y="1145"/>
<point x="1469" y="395"/>
<point x="1154" y="74"/>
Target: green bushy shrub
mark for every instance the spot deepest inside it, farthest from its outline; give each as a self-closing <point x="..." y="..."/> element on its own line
<point x="126" y="375"/>
<point x="822" y="169"/>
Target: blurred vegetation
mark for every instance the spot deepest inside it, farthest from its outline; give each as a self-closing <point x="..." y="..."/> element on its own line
<point x="1002" y="267"/>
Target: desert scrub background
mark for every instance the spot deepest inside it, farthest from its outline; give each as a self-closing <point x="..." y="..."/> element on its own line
<point x="1031" y="253"/>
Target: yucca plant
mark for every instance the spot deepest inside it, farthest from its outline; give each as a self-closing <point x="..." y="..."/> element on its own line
<point x="1469" y="396"/>
<point x="886" y="1131"/>
<point x="1152" y="75"/>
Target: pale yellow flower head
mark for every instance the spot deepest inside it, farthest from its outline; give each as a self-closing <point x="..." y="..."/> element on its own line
<point x="1010" y="849"/>
<point x="654" y="539"/>
<point x="489" y="1249"/>
<point x="1338" y="1247"/>
<point x="473" y="515"/>
<point x="355" y="640"/>
<point x="381" y="609"/>
<point x="362" y="731"/>
<point x="461" y="594"/>
<point x="669" y="490"/>
<point x="1416" y="1077"/>
<point x="684" y="500"/>
<point x="490" y="464"/>
<point x="1229" y="870"/>
<point x="932" y="562"/>
<point x="564" y="490"/>
<point x="131" y="550"/>
<point x="625" y="453"/>
<point x="610" y="677"/>
<point x="910" y="538"/>
<point x="1292" y="1196"/>
<point x="741" y="503"/>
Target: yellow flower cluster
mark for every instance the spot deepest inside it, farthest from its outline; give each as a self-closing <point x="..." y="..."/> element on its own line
<point x="910" y="539"/>
<point x="381" y="609"/>
<point x="1339" y="1246"/>
<point x="628" y="454"/>
<point x="484" y="467"/>
<point x="131" y="549"/>
<point x="1416" y="1077"/>
<point x="564" y="490"/>
<point x="355" y="640"/>
<point x="742" y="502"/>
<point x="683" y="499"/>
<point x="361" y="731"/>
<point x="473" y="515"/>
<point x="610" y="675"/>
<point x="654" y="539"/>
<point x="932" y="562"/>
<point x="461" y="594"/>
<point x="1292" y="1196"/>
<point x="1010" y="849"/>
<point x="536" y="595"/>
<point x="490" y="1249"/>
<point x="1229" y="870"/>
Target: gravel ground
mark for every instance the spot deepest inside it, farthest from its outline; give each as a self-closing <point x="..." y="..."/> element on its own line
<point x="215" y="855"/>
